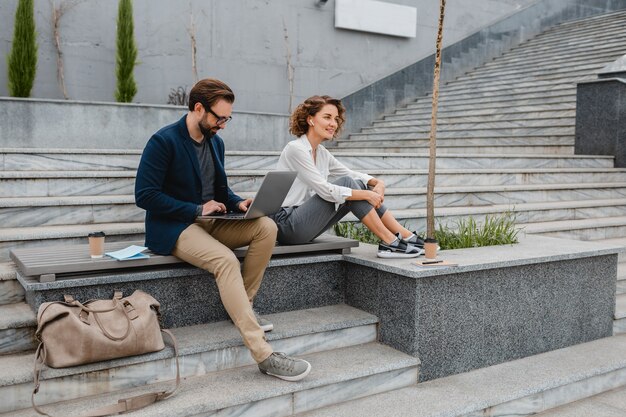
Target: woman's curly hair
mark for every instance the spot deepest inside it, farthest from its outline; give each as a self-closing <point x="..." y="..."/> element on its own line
<point x="298" y="124"/>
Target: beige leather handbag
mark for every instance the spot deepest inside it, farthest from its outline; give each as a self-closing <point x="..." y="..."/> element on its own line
<point x="72" y="333"/>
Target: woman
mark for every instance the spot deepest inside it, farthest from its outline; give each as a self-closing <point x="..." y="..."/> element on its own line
<point x="313" y="204"/>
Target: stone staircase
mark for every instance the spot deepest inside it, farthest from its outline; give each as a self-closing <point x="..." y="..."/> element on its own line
<point x="505" y="142"/>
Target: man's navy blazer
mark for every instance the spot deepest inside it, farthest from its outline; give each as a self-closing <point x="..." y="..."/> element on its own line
<point x="169" y="185"/>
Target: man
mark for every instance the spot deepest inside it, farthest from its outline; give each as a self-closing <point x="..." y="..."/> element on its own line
<point x="180" y="177"/>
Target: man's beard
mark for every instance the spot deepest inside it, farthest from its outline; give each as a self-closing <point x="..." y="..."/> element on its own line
<point x="208" y="132"/>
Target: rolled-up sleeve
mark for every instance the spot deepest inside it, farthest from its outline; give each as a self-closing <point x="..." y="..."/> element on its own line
<point x="337" y="169"/>
<point x="300" y="160"/>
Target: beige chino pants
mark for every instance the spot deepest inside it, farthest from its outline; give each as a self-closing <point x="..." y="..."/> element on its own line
<point x="208" y="244"/>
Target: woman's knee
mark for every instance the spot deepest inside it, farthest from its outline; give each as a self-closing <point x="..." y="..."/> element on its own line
<point x="348" y="182"/>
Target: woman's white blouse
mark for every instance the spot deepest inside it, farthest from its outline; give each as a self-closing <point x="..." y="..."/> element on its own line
<point x="313" y="177"/>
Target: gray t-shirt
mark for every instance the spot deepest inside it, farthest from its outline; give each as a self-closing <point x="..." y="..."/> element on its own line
<point x="207" y="169"/>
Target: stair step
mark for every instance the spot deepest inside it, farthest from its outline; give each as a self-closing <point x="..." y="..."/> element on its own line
<point x="584" y="229"/>
<point x="17" y="328"/>
<point x="415" y="219"/>
<point x="204" y="349"/>
<point x="521" y="387"/>
<point x="417" y="126"/>
<point x="464" y="92"/>
<point x="596" y="45"/>
<point x="362" y="161"/>
<point x="530" y="75"/>
<point x="547" y="97"/>
<point x="620" y="306"/>
<point x="67" y="183"/>
<point x="35" y="159"/>
<point x="501" y="121"/>
<point x="53" y="211"/>
<point x="556" y="57"/>
<point x="19" y="237"/>
<point x="243" y="181"/>
<point x="493" y="111"/>
<point x="338" y="375"/>
<point x="501" y="102"/>
<point x="424" y="117"/>
<point x="607" y="404"/>
<point x="394" y="147"/>
<point x="10" y="289"/>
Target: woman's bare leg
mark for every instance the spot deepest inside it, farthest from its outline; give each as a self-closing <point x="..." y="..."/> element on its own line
<point x="393" y="226"/>
<point x="375" y="224"/>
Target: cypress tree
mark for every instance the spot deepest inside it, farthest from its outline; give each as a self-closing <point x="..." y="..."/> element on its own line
<point x="22" y="61"/>
<point x="126" y="53"/>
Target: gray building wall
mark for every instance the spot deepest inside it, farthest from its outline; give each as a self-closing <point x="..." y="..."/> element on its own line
<point x="239" y="41"/>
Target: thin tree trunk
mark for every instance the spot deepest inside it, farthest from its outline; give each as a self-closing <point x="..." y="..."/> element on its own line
<point x="192" y="36"/>
<point x="290" y="68"/>
<point x="430" y="191"/>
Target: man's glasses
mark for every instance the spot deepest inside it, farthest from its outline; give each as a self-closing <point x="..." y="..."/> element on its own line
<point x="221" y="120"/>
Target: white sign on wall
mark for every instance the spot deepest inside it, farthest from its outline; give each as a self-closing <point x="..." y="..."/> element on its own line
<point x="377" y="17"/>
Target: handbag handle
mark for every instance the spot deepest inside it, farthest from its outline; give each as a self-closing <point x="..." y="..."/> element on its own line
<point x="123" y="404"/>
<point x="97" y="320"/>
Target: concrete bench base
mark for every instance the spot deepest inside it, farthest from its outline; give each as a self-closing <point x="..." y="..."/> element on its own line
<point x="189" y="295"/>
<point x="500" y="303"/>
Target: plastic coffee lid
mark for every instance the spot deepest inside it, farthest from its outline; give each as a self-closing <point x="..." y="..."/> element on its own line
<point x="96" y="234"/>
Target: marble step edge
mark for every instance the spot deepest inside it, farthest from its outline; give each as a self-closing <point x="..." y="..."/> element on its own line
<point x="245" y="388"/>
<point x="561" y="58"/>
<point x="413" y="171"/>
<point x="46" y="202"/>
<point x="604" y="404"/>
<point x="520" y="387"/>
<point x="442" y="144"/>
<point x="8" y="271"/>
<point x="203" y="338"/>
<point x="17" y="315"/>
<point x="53" y="201"/>
<point x="526" y="63"/>
<point x="492" y="91"/>
<point x="345" y="153"/>
<point x="461" y="127"/>
<point x="417" y="122"/>
<point x="562" y="50"/>
<point x="528" y="74"/>
<point x="485" y="111"/>
<point x="599" y="20"/>
<point x="67" y="174"/>
<point x="575" y="224"/>
<point x="513" y="116"/>
<point x="620" y="306"/>
<point x="70" y="151"/>
<point x="583" y="32"/>
<point x="68" y="231"/>
<point x="504" y="97"/>
<point x="478" y="103"/>
<point x="442" y="212"/>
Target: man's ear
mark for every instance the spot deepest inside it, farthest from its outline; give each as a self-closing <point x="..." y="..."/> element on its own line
<point x="198" y="107"/>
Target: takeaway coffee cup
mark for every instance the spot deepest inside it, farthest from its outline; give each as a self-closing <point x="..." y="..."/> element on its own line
<point x="430" y="248"/>
<point x="96" y="244"/>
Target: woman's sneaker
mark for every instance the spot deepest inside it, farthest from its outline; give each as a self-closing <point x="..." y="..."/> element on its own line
<point x="284" y="367"/>
<point x="398" y="249"/>
<point x="415" y="240"/>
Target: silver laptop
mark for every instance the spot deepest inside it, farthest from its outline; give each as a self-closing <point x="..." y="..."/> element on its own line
<point x="268" y="200"/>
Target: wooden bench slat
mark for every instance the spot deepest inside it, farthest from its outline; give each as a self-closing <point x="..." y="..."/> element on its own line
<point x="75" y="258"/>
